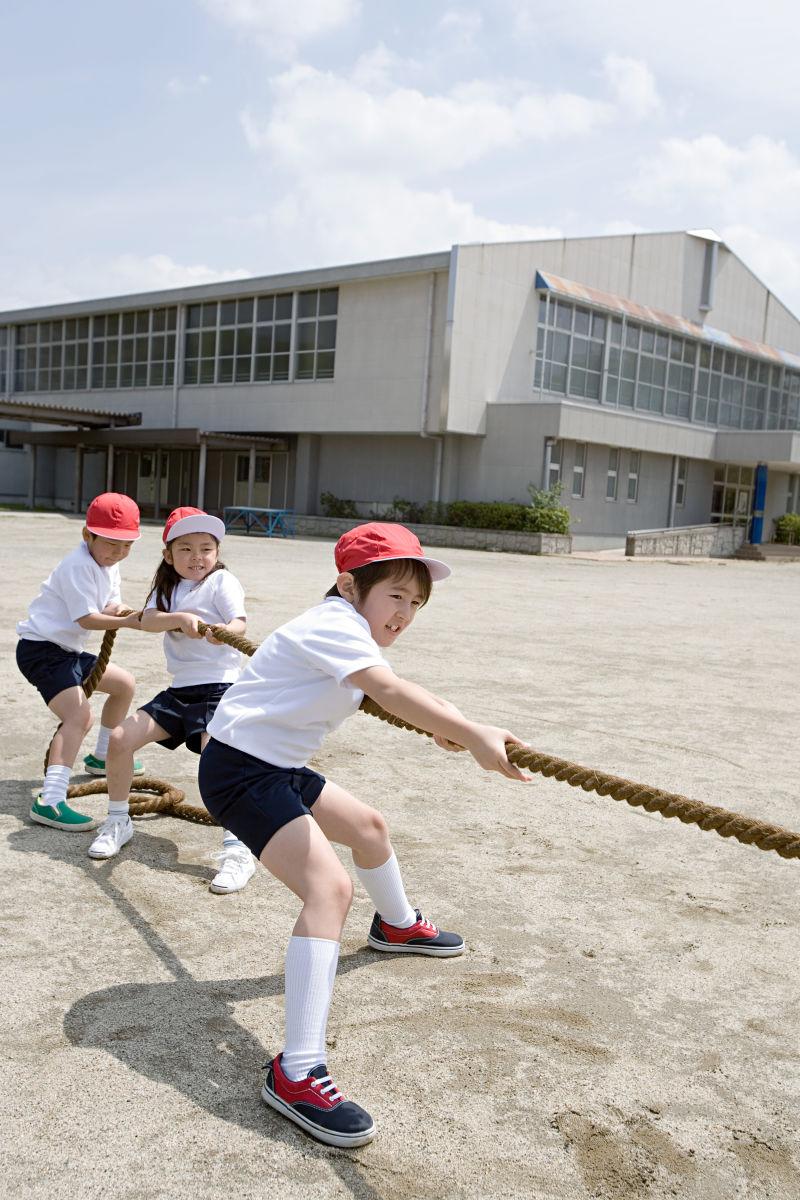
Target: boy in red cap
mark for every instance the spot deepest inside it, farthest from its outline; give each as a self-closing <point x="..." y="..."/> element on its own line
<point x="82" y="594"/>
<point x="305" y="679"/>
<point x="190" y="585"/>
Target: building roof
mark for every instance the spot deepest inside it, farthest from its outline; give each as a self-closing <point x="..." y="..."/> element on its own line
<point x="63" y="414"/>
<point x="546" y="281"/>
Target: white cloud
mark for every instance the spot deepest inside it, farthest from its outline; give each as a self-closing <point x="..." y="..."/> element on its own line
<point x="632" y="85"/>
<point x="119" y="276"/>
<point x="280" y="26"/>
<point x="752" y="183"/>
<point x="460" y="27"/>
<point x="338" y="123"/>
<point x="360" y="217"/>
<point x="185" y="87"/>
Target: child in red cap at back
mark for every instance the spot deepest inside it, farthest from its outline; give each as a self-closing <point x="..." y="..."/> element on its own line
<point x="305" y="679"/>
<point x="80" y="595"/>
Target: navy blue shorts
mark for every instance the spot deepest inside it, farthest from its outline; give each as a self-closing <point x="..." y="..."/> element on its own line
<point x="51" y="668"/>
<point x="184" y="713"/>
<point x="253" y="798"/>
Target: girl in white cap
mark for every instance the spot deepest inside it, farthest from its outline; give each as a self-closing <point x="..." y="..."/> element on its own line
<point x="189" y="586"/>
<point x="305" y="679"/>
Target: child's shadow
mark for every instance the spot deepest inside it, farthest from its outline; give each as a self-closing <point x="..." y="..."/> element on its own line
<point x="152" y="851"/>
<point x="183" y="1032"/>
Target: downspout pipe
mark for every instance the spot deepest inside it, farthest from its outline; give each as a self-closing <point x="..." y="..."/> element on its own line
<point x="426" y="395"/>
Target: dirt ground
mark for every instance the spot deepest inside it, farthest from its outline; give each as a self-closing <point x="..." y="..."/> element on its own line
<point x="625" y="1022"/>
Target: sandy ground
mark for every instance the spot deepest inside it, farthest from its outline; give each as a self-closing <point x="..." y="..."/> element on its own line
<point x="625" y="1021"/>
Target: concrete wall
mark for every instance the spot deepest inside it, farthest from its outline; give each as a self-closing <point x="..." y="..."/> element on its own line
<point x="372" y="470"/>
<point x="14" y="473"/>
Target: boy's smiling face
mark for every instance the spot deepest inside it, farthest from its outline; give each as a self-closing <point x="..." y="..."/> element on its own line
<point x="106" y="551"/>
<point x="389" y="607"/>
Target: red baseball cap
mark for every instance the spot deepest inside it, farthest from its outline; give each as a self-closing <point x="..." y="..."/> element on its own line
<point x="191" y="520"/>
<point x="380" y="541"/>
<point x="112" y="515"/>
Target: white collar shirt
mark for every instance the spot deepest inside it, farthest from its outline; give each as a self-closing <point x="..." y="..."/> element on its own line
<point x="77" y="587"/>
<point x="216" y="599"/>
<point x="294" y="690"/>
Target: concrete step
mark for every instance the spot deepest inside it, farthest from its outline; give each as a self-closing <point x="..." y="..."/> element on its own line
<point x="769" y="552"/>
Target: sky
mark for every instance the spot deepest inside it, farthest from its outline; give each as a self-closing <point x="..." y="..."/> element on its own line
<point x="156" y="143"/>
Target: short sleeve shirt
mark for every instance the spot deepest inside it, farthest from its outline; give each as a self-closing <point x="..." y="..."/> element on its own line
<point x="77" y="587"/>
<point x="217" y="599"/>
<point x="294" y="690"/>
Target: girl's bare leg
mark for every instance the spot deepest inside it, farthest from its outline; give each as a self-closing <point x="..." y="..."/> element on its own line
<point x="119" y="686"/>
<point x="128" y="737"/>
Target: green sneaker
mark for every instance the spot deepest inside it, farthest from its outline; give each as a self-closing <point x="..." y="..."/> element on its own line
<point x="97" y="766"/>
<point x="62" y="817"/>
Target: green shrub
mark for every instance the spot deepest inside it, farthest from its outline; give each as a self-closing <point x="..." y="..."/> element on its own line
<point x="481" y="514"/>
<point x="787" y="529"/>
<point x="332" y="506"/>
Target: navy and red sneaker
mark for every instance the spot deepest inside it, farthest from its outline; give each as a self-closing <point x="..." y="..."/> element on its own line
<point x="420" y="938"/>
<point x="317" y="1106"/>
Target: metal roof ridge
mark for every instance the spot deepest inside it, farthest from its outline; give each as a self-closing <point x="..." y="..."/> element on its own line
<point x="572" y="290"/>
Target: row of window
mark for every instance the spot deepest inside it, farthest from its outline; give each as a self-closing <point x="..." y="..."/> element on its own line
<point x="621" y="362"/>
<point x="614" y="472"/>
<point x="256" y="339"/>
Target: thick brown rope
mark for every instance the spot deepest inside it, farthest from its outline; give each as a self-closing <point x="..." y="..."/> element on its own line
<point x="708" y="817"/>
<point x="669" y="804"/>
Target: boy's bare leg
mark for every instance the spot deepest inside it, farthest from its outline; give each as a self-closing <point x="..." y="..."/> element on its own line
<point x="349" y="822"/>
<point x="119" y="686"/>
<point x="73" y="711"/>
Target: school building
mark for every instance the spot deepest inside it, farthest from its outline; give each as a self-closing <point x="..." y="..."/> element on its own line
<point x="653" y="375"/>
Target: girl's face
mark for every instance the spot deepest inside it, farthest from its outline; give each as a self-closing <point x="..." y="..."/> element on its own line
<point x="389" y="608"/>
<point x="193" y="555"/>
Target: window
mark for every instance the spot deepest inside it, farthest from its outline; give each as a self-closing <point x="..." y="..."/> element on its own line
<point x="3" y="357"/>
<point x="793" y="495"/>
<point x="250" y="339"/>
<point x="554" y="465"/>
<point x="613" y="474"/>
<point x="315" y="334"/>
<point x="634" y="459"/>
<point x="732" y="494"/>
<point x="4" y="441"/>
<point x="682" y="468"/>
<point x="273" y="338"/>
<point x="579" y="470"/>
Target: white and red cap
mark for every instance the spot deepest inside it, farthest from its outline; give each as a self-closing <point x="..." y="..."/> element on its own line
<point x="114" y="516"/>
<point x="191" y="520"/>
<point x="380" y="541"/>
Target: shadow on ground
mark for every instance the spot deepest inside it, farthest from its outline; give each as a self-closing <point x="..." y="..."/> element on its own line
<point x="182" y="1032"/>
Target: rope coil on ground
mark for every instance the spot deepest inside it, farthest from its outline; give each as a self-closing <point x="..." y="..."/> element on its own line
<point x="162" y="797"/>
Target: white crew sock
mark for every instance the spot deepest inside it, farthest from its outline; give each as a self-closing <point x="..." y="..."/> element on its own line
<point x="229" y="840"/>
<point x="310" y="972"/>
<point x="101" y="749"/>
<point x="118" y="809"/>
<point x="385" y="889"/>
<point x="56" y="782"/>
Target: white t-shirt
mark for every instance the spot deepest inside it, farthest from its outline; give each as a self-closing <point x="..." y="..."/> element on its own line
<point x="217" y="599"/>
<point x="293" y="691"/>
<point x="77" y="587"/>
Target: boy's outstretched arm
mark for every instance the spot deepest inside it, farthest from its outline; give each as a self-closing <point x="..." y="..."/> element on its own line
<point x="412" y="703"/>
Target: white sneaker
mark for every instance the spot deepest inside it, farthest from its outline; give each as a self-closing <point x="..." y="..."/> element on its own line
<point x="114" y="833"/>
<point x="236" y="868"/>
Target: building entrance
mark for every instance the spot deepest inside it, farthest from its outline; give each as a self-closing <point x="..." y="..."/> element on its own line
<point x="732" y="496"/>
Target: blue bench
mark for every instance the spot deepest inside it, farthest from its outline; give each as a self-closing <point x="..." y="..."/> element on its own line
<point x="268" y="522"/>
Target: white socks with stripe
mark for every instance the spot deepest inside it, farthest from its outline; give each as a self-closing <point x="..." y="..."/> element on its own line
<point x="54" y="788"/>
<point x="384" y="886"/>
<point x="101" y="749"/>
<point x="310" y="972"/>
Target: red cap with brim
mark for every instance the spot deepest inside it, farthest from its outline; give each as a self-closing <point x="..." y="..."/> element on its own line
<point x="182" y="521"/>
<point x="114" y="516"/>
<point x="379" y="541"/>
